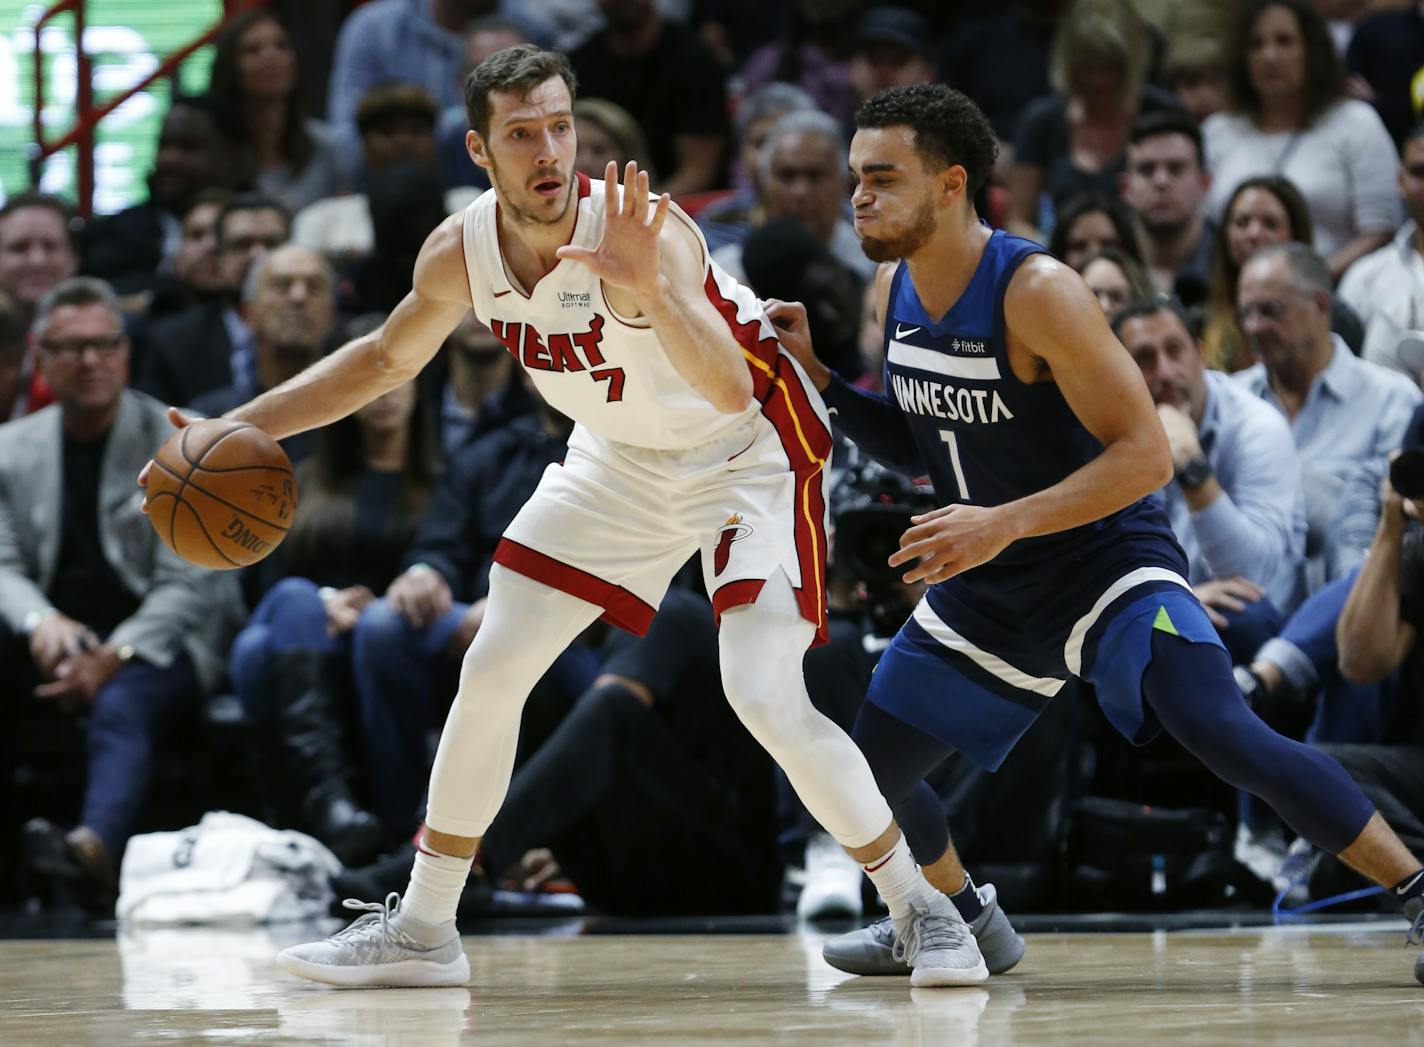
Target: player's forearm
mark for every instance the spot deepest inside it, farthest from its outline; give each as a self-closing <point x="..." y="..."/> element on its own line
<point x="1367" y="631"/>
<point x="329" y="389"/>
<point x="1126" y="471"/>
<point x="700" y="348"/>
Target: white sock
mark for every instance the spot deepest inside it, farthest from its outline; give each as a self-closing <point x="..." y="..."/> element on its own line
<point x="899" y="880"/>
<point x="435" y="885"/>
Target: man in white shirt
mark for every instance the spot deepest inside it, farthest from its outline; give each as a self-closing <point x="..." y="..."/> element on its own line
<point x="1386" y="287"/>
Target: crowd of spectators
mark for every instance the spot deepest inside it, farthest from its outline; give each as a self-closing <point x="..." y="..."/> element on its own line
<point x="1241" y="185"/>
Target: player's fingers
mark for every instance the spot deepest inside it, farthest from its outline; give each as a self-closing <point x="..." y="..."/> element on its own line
<point x="933" y="514"/>
<point x="913" y="550"/>
<point x="179" y="419"/>
<point x="660" y="214"/>
<point x="1215" y="616"/>
<point x="610" y="189"/>
<point x="927" y="570"/>
<point x="630" y="189"/>
<point x="1228" y="602"/>
<point x="578" y="254"/>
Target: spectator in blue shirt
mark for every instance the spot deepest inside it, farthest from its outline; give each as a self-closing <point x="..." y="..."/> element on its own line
<point x="411" y="41"/>
<point x="1236" y="502"/>
<point x="1346" y="414"/>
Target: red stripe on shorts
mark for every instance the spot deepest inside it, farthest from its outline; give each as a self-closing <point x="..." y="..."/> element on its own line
<point x="620" y="607"/>
<point x="777" y="385"/>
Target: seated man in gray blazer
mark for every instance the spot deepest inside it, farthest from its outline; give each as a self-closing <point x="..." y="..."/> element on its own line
<point x="97" y="617"/>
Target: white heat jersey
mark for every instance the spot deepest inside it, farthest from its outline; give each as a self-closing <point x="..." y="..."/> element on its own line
<point x="607" y="373"/>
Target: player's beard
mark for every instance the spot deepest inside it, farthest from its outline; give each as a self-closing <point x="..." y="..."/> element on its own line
<point x="916" y="231"/>
<point x="526" y="217"/>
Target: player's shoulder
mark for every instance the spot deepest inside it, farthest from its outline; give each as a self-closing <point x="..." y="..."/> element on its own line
<point x="441" y="270"/>
<point x="1039" y="279"/>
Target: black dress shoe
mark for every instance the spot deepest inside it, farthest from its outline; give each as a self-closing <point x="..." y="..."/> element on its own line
<point x="75" y="866"/>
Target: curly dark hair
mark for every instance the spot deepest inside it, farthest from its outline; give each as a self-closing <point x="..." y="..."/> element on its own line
<point x="1324" y="72"/>
<point x="520" y="68"/>
<point x="949" y="128"/>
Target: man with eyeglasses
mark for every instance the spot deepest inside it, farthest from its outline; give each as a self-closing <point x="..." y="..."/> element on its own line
<point x="98" y="618"/>
<point x="1235" y="498"/>
<point x="1346" y="414"/>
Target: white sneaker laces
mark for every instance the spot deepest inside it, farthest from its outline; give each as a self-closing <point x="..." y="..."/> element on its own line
<point x="927" y="932"/>
<point x="386" y="910"/>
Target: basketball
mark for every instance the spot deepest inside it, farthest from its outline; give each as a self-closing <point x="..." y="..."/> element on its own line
<point x="221" y="494"/>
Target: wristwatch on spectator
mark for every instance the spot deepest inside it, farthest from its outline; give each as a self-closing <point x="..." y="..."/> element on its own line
<point x="1194" y="473"/>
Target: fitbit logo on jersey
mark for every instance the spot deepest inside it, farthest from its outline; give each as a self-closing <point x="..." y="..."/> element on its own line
<point x="576" y="299"/>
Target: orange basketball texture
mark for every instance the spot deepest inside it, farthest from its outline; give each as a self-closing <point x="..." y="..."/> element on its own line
<point x="221" y="494"/>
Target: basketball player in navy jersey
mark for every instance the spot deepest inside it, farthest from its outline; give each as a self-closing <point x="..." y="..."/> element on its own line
<point x="1047" y="565"/>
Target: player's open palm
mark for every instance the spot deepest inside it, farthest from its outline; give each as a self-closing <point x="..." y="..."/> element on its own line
<point x="627" y="256"/>
<point x="949" y="541"/>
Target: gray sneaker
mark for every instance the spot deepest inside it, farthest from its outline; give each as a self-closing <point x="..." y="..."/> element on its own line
<point x="1414" y="911"/>
<point x="935" y="943"/>
<point x="870" y="950"/>
<point x="378" y="950"/>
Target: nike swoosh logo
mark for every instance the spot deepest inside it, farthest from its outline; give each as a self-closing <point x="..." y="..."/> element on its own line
<point x="501" y="294"/>
<point x="879" y="864"/>
<point x="1402" y="890"/>
<point x="901" y="332"/>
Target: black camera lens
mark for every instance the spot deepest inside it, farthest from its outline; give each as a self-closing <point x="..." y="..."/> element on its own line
<point x="1406" y="474"/>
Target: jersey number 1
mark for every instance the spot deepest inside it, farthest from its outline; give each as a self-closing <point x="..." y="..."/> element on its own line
<point x="949" y="438"/>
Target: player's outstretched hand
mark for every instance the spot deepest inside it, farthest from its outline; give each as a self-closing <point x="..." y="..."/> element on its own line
<point x="179" y="420"/>
<point x="793" y="331"/>
<point x="951" y="540"/>
<point x="627" y="255"/>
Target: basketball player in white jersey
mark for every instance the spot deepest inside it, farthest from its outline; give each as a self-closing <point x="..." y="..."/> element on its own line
<point x="694" y="432"/>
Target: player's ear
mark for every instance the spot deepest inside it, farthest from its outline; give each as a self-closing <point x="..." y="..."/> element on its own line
<point x="479" y="153"/>
<point x="953" y="180"/>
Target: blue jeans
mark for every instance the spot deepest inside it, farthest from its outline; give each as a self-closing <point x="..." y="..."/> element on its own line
<point x="132" y="713"/>
<point x="289" y="617"/>
<point x="399" y="669"/>
<point x="1247" y="629"/>
<point x="1306" y="653"/>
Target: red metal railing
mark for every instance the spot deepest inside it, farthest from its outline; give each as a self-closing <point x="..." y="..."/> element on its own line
<point x="88" y="115"/>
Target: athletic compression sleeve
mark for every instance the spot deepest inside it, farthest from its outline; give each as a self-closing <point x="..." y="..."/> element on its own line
<point x="874" y="423"/>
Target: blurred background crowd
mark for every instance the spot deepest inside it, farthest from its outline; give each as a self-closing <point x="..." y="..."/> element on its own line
<point x="1239" y="182"/>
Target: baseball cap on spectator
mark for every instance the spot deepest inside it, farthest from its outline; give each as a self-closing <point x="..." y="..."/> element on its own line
<point x="895" y="25"/>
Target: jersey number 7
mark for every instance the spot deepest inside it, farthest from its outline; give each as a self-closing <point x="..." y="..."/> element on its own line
<point x="614" y="377"/>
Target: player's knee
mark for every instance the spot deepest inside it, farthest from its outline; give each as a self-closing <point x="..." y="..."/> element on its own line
<point x="770" y="707"/>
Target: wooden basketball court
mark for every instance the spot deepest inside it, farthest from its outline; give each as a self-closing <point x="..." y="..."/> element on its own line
<point x="1324" y="984"/>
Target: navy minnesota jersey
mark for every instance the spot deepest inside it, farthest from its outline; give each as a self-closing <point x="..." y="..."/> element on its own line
<point x="988" y="438"/>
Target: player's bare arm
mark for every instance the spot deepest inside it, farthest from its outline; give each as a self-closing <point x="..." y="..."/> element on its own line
<point x="375" y="363"/>
<point x="1057" y="330"/>
<point x="1051" y="314"/>
<point x="658" y="271"/>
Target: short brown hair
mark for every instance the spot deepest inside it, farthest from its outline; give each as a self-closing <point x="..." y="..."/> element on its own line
<point x="520" y="68"/>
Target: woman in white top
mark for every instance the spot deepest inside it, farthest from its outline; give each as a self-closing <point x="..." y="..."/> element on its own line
<point x="1289" y="117"/>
